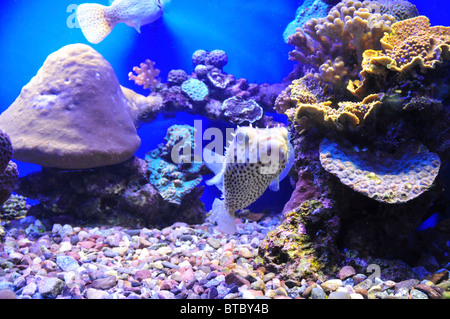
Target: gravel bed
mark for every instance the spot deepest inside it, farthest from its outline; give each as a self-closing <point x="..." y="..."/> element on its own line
<point x="178" y="262"/>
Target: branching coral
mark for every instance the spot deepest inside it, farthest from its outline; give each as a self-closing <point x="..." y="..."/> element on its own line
<point x="386" y="178"/>
<point x="146" y="75"/>
<point x="350" y="28"/>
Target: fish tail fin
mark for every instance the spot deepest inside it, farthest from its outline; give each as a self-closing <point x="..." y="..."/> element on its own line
<point x="225" y="222"/>
<point x="94" y="22"/>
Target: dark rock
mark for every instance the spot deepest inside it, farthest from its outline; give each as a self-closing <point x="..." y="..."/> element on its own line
<point x="104" y="283"/>
<point x="437" y="277"/>
<point x="235" y="279"/>
<point x="7" y="294"/>
<point x="346" y="272"/>
<point x="50" y="287"/>
<point x="142" y="274"/>
<point x="212" y="293"/>
<point x="430" y="292"/>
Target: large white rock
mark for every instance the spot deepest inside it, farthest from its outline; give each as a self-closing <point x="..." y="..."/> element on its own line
<point x="72" y="114"/>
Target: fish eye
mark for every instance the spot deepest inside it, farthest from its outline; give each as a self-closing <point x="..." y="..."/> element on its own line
<point x="241" y="137"/>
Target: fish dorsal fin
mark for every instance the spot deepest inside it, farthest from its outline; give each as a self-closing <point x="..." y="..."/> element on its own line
<point x="220" y="215"/>
<point x="216" y="180"/>
<point x="291" y="160"/>
<point x="275" y="184"/>
<point x="215" y="162"/>
<point x="137" y="25"/>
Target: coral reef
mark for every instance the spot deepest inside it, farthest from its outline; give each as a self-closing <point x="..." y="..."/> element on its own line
<point x="111" y="195"/>
<point x="175" y="175"/>
<point x="377" y="88"/>
<point x="299" y="247"/>
<point x="72" y="114"/>
<point x="8" y="169"/>
<point x="8" y="172"/>
<point x="340" y="38"/>
<point x="208" y="91"/>
<point x="386" y="178"/>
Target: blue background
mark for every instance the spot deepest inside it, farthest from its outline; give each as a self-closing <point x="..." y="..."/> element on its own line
<point x="249" y="31"/>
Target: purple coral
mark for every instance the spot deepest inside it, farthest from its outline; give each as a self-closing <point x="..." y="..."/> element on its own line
<point x="217" y="58"/>
<point x="238" y="110"/>
<point x="176" y="77"/>
<point x="6" y="150"/>
<point x="8" y="169"/>
<point x="199" y="57"/>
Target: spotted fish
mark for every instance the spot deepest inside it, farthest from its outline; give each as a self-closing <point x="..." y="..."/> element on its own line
<point x="255" y="159"/>
<point x="97" y="21"/>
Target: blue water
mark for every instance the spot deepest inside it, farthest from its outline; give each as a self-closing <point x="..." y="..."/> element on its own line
<point x="249" y="31"/>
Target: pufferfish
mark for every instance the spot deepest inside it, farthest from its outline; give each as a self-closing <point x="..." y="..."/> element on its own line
<point x="257" y="158"/>
<point x="97" y="21"/>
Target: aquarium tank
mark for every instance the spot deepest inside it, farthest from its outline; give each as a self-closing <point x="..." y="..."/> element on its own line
<point x="223" y="149"/>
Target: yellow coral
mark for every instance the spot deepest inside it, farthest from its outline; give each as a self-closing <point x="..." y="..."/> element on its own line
<point x="305" y="90"/>
<point x="348" y="114"/>
<point x="411" y="42"/>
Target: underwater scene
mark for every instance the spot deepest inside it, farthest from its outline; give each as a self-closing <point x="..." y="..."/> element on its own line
<point x="220" y="149"/>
